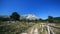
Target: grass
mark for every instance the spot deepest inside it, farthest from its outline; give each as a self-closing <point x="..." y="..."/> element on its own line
<point x="14" y="28"/>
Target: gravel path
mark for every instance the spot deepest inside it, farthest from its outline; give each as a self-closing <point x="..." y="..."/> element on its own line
<point x="44" y="29"/>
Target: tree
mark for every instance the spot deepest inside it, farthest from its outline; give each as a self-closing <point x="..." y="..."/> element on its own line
<point x="40" y="19"/>
<point x="15" y="16"/>
<point x="50" y="19"/>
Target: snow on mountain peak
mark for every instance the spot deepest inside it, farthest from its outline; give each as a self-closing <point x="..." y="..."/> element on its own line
<point x="30" y="16"/>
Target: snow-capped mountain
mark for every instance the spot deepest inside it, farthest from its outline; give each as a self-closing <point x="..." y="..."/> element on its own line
<point x="29" y="16"/>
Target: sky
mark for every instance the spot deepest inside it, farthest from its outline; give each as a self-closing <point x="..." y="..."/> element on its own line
<point x="40" y="8"/>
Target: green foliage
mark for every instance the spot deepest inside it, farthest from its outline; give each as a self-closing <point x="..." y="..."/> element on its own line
<point x="50" y="19"/>
<point x="15" y="16"/>
<point x="57" y="19"/>
<point x="53" y="19"/>
<point x="40" y="20"/>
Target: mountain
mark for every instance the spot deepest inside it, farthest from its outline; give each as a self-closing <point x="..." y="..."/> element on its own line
<point x="29" y="17"/>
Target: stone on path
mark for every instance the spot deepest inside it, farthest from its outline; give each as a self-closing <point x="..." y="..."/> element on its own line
<point x="23" y="33"/>
<point x="36" y="31"/>
<point x="48" y="29"/>
<point x="31" y="31"/>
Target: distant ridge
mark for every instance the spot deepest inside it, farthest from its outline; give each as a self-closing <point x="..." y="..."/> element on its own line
<point x="22" y="17"/>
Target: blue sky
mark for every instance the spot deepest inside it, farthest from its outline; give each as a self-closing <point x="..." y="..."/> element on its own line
<point x="40" y="8"/>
